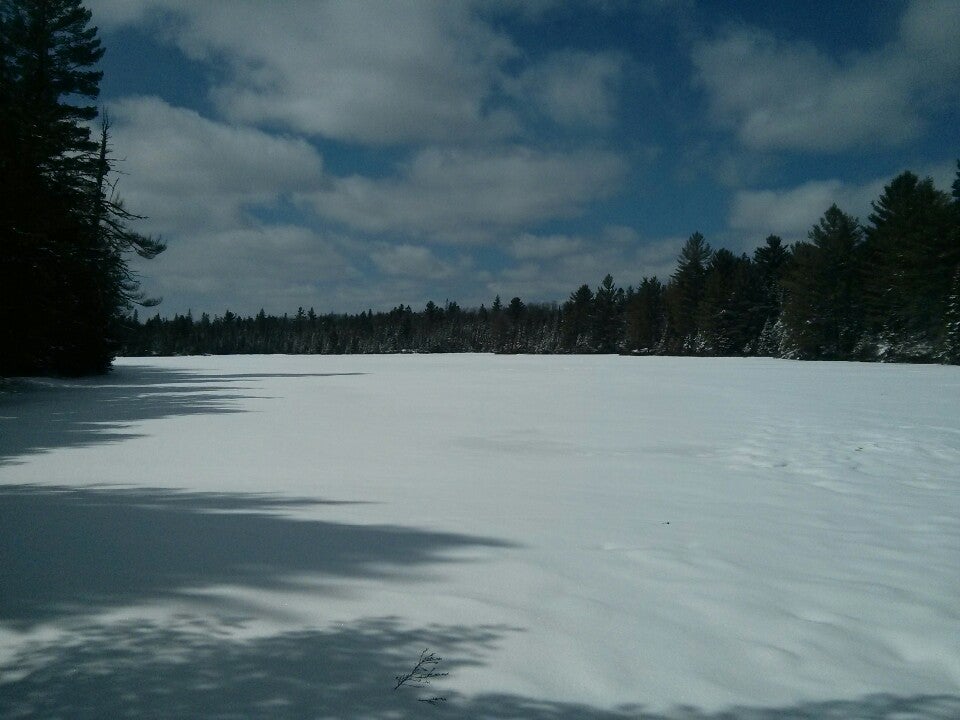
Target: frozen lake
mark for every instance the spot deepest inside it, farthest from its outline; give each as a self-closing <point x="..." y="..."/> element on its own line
<point x="576" y="537"/>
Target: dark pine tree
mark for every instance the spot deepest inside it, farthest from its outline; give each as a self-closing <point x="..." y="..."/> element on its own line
<point x="770" y="261"/>
<point x="728" y="314"/>
<point x="64" y="282"/>
<point x="606" y="326"/>
<point x="577" y="320"/>
<point x="515" y="312"/>
<point x="913" y="253"/>
<point x="823" y="308"/>
<point x="950" y="347"/>
<point x="645" y="316"/>
<point x="956" y="187"/>
<point x="687" y="285"/>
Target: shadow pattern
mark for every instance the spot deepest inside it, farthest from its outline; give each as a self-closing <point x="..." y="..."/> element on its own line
<point x="69" y="552"/>
<point x="42" y="415"/>
<point x="147" y="671"/>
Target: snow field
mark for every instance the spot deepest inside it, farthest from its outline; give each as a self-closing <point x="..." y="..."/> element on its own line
<point x="593" y="532"/>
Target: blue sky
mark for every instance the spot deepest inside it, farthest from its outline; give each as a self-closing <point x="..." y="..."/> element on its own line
<point x="353" y="155"/>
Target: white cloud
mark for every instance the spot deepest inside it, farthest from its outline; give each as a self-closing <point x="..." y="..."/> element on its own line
<point x="414" y="261"/>
<point x="573" y="88"/>
<point x="380" y="73"/>
<point x="186" y="172"/>
<point x="781" y="95"/>
<point x="357" y="71"/>
<point x="111" y="14"/>
<point x="443" y="82"/>
<point x="659" y="257"/>
<point x="531" y="247"/>
<point x="550" y="267"/>
<point x="467" y="196"/>
<point x="620" y="234"/>
<point x="791" y="212"/>
<point x="929" y="31"/>
<point x="278" y="268"/>
<point x="197" y="179"/>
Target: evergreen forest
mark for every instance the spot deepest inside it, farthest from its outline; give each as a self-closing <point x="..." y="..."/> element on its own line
<point x="887" y="290"/>
<point x="883" y="289"/>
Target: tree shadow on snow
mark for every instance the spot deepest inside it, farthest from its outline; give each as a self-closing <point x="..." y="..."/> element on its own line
<point x="42" y="415"/>
<point x="70" y="552"/>
<point x="148" y="671"/>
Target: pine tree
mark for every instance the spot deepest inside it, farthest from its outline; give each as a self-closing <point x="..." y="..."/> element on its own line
<point x="956" y="187"/>
<point x="577" y="319"/>
<point x="687" y="285"/>
<point x="823" y="308"/>
<point x="645" y="316"/>
<point x="913" y="251"/>
<point x="64" y="283"/>
<point x="606" y="330"/>
<point x="728" y="319"/>
<point x="950" y="347"/>
<point x="770" y="261"/>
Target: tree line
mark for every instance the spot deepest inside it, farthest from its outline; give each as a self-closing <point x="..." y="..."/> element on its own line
<point x="887" y="289"/>
<point x="65" y="286"/>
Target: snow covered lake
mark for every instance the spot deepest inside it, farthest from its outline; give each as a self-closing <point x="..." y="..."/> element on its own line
<point x="576" y="537"/>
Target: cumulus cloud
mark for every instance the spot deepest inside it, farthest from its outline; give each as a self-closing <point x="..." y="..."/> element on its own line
<point x="471" y="196"/>
<point x="573" y="88"/>
<point x="277" y="267"/>
<point x="791" y="212"/>
<point x="529" y="246"/>
<point x="550" y="267"/>
<point x="185" y="171"/>
<point x="780" y="95"/>
<point x="414" y="261"/>
<point x="363" y="72"/>
<point x="929" y="30"/>
<point x="197" y="180"/>
<point x="381" y="73"/>
<point x="494" y="141"/>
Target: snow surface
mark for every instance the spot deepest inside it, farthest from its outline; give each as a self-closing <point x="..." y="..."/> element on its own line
<point x="576" y="537"/>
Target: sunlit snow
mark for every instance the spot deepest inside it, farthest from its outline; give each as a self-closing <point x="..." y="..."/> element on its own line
<point x="576" y="537"/>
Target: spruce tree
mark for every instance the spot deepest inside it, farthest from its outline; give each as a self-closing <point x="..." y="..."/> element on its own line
<point x="956" y="187"/>
<point x="645" y="316"/>
<point x="727" y="318"/>
<point x="950" y="347"/>
<point x="950" y="344"/>
<point x="577" y="319"/>
<point x="912" y="249"/>
<point x="770" y="261"/>
<point x="687" y="285"/>
<point x="823" y="308"/>
<point x="606" y="331"/>
<point x="64" y="281"/>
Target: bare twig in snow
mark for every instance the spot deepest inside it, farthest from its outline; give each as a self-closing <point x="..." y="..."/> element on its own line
<point x="422" y="673"/>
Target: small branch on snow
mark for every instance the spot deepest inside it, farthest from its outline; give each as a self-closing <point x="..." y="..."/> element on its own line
<point x="422" y="673"/>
